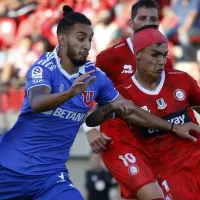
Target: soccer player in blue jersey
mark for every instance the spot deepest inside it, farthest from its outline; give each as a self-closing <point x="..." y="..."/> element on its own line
<point x="60" y="88"/>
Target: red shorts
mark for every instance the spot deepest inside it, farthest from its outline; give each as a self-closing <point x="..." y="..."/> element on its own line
<point x="125" y="160"/>
<point x="128" y="167"/>
<point x="184" y="183"/>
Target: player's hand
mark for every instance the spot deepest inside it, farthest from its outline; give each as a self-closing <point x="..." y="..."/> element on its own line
<point x="98" y="140"/>
<point x="123" y="107"/>
<point x="183" y="130"/>
<point x="80" y="84"/>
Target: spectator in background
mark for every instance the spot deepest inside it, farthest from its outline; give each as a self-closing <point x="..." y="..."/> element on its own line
<point x="2" y="8"/>
<point x="19" y="59"/>
<point x="18" y="9"/>
<point x="186" y="15"/>
<point x="98" y="180"/>
<point x="122" y="12"/>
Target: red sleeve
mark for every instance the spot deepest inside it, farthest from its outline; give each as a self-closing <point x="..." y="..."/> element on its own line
<point x="122" y="91"/>
<point x="169" y="64"/>
<point x="194" y="93"/>
<point x="105" y="61"/>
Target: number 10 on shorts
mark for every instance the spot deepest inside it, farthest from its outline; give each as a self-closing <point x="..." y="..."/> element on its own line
<point x="127" y="159"/>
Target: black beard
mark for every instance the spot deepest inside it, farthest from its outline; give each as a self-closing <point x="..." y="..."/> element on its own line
<point x="71" y="55"/>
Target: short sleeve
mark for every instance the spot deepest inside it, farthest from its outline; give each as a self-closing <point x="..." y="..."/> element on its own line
<point x="38" y="75"/>
<point x="107" y="93"/>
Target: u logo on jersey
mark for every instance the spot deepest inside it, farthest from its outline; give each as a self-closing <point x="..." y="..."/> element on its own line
<point x="88" y="97"/>
<point x="161" y="104"/>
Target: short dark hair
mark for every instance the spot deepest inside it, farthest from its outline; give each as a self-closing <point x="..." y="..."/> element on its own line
<point x="70" y="18"/>
<point x="143" y="4"/>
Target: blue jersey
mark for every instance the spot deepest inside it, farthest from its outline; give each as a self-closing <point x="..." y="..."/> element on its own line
<point x="39" y="143"/>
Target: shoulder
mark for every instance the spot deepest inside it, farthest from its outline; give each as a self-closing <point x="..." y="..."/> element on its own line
<point x="173" y="73"/>
<point x="89" y="65"/>
<point x="125" y="87"/>
<point x="112" y="51"/>
<point x="176" y="76"/>
<point x="46" y="62"/>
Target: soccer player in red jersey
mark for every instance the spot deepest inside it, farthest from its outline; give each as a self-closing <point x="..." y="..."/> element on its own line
<point x="118" y="62"/>
<point x="169" y="94"/>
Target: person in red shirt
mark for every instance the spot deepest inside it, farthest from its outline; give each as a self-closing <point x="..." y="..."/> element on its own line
<point x="119" y="64"/>
<point x="170" y="94"/>
<point x="118" y="61"/>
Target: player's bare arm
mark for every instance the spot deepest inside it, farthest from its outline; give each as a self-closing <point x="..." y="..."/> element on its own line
<point x="41" y="99"/>
<point x="140" y="116"/>
<point x="119" y="107"/>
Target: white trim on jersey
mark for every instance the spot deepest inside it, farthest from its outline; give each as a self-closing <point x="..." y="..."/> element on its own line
<point x="37" y="86"/>
<point x="150" y="92"/>
<point x="114" y="98"/>
<point x="130" y="44"/>
<point x="81" y="69"/>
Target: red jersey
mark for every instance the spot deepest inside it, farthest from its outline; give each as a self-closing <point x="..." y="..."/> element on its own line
<point x="172" y="100"/>
<point x="119" y="63"/>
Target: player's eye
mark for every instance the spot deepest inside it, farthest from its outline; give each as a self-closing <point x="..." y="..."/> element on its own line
<point x="81" y="39"/>
<point x="142" y="18"/>
<point x="154" y="55"/>
<point x="154" y="19"/>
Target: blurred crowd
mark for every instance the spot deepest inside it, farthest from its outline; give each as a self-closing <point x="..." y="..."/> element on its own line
<point x="28" y="28"/>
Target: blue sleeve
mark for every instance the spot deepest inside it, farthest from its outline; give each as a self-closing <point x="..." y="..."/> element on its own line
<point x="107" y="93"/>
<point x="192" y="6"/>
<point x="38" y="75"/>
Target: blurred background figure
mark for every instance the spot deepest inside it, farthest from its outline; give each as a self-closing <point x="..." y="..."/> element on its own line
<point x="99" y="181"/>
<point x="183" y="20"/>
<point x="19" y="59"/>
<point x="181" y="24"/>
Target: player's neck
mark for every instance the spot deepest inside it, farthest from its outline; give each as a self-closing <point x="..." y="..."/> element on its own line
<point x="67" y="64"/>
<point x="146" y="81"/>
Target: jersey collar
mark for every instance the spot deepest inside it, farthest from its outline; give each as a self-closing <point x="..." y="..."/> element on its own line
<point x="150" y="92"/>
<point x="130" y="44"/>
<point x="80" y="71"/>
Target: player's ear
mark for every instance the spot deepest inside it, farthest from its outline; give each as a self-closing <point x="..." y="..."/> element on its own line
<point x="62" y="39"/>
<point x="138" y="55"/>
<point x="131" y="24"/>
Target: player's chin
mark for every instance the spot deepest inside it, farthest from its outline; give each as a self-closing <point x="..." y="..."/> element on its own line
<point x="159" y="71"/>
<point x="79" y="62"/>
<point x="82" y="61"/>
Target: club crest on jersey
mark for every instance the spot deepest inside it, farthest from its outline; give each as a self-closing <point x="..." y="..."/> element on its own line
<point x="161" y="104"/>
<point x="179" y="94"/>
<point x="61" y="88"/>
<point x="37" y="72"/>
<point x="133" y="169"/>
<point x="88" y="97"/>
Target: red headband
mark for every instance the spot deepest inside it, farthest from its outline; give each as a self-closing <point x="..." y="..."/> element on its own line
<point x="147" y="37"/>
